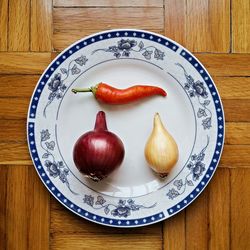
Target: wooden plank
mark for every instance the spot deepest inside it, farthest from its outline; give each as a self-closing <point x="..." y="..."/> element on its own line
<point x="27" y="210"/>
<point x="41" y="25"/>
<point x="19" y="25"/>
<point x="39" y="213"/>
<point x="236" y="110"/>
<point x="240" y="213"/>
<point x="235" y="156"/>
<point x="233" y="87"/>
<point x="13" y="108"/>
<point x="68" y="22"/>
<point x="74" y="18"/>
<point x="175" y="20"/>
<point x="3" y="197"/>
<point x="108" y="3"/>
<point x="64" y="38"/>
<point x="17" y="85"/>
<point x="226" y="64"/>
<point x="173" y="229"/>
<point x="208" y="25"/>
<point x="3" y="25"/>
<point x="14" y="154"/>
<point x="23" y="63"/>
<point x="201" y="26"/>
<point x="16" y="208"/>
<point x="65" y="222"/>
<point x="241" y="26"/>
<point x="219" y="209"/>
<point x="102" y="241"/>
<point x="197" y="223"/>
<point x="237" y="133"/>
<point x="13" y="131"/>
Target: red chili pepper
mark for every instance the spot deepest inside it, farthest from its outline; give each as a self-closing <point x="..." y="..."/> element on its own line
<point x="108" y="94"/>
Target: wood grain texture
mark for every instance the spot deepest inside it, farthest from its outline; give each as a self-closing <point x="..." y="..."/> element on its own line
<point x="39" y="212"/>
<point x="68" y="22"/>
<point x="233" y="87"/>
<point x="208" y="30"/>
<point x="105" y="241"/>
<point x="108" y="3"/>
<point x="175" y="20"/>
<point x="27" y="210"/>
<point x="235" y="156"/>
<point x="13" y="131"/>
<point x="236" y="110"/>
<point x="174" y="228"/>
<point x="240" y="213"/>
<point x="200" y="25"/>
<point x="41" y="25"/>
<point x="226" y="64"/>
<point x="19" y="25"/>
<point x="240" y="26"/>
<point x="73" y="18"/>
<point x="14" y="108"/>
<point x="237" y="133"/>
<point x="17" y="85"/>
<point x="219" y="210"/>
<point x="197" y="223"/>
<point x="3" y="199"/>
<point x="14" y="154"/>
<point x="3" y="25"/>
<point x="23" y="63"/>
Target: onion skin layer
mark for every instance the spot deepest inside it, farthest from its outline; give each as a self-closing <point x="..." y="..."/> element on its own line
<point x="161" y="150"/>
<point x="99" y="152"/>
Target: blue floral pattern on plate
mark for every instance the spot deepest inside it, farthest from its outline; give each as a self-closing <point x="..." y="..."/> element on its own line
<point x="54" y="168"/>
<point x="124" y="48"/>
<point x="57" y="85"/>
<point x="197" y="89"/>
<point x="123" y="208"/>
<point x="196" y="169"/>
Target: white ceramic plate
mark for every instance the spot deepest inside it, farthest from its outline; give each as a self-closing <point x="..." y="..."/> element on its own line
<point x="133" y="195"/>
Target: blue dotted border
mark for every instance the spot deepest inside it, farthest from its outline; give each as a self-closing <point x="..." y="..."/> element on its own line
<point x="32" y="114"/>
<point x="70" y="205"/>
<point x="220" y="138"/>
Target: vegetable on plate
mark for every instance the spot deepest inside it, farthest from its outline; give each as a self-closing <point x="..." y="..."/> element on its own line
<point x="99" y="152"/>
<point x="110" y="95"/>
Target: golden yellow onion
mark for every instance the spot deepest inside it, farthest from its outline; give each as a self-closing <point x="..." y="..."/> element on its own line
<point x="161" y="150"/>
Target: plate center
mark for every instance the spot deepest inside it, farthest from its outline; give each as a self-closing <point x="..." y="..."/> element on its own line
<point x="132" y="123"/>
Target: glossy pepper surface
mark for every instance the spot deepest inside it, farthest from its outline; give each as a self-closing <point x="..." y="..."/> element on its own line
<point x="108" y="94"/>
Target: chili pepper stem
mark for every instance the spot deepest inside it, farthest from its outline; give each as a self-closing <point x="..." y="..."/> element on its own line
<point x="82" y="90"/>
<point x="91" y="89"/>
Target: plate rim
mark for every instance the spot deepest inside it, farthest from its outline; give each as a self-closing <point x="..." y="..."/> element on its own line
<point x="124" y="225"/>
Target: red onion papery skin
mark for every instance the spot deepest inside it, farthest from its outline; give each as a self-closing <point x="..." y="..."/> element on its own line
<point x="99" y="152"/>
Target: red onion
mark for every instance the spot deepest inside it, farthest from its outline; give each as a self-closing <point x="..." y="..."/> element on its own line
<point x="99" y="152"/>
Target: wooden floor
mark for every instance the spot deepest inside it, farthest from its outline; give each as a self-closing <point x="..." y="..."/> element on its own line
<point x="31" y="34"/>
